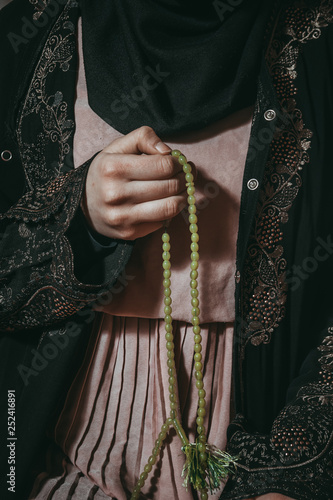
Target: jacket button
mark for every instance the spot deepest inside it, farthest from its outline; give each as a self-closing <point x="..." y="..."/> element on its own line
<point x="238" y="277"/>
<point x="270" y="115"/>
<point x="6" y="155"/>
<point x="252" y="184"/>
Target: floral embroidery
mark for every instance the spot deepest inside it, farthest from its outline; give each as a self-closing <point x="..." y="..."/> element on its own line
<point x="264" y="288"/>
<point x="49" y="109"/>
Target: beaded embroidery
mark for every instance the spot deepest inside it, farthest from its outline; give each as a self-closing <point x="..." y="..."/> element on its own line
<point x="264" y="289"/>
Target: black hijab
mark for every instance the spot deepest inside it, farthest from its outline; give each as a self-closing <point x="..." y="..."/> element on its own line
<point x="175" y="65"/>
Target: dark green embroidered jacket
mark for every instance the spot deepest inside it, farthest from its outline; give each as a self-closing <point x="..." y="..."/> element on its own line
<point x="283" y="347"/>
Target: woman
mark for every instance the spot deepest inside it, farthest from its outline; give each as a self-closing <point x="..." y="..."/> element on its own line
<point x="115" y="403"/>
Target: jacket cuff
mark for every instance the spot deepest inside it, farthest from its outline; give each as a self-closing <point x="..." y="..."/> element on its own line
<point x="38" y="285"/>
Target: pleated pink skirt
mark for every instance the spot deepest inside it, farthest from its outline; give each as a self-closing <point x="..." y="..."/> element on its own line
<point x="118" y="403"/>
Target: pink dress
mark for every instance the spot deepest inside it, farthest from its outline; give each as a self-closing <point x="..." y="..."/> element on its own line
<point x="119" y="398"/>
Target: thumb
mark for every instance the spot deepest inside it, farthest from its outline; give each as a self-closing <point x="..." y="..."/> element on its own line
<point x="141" y="140"/>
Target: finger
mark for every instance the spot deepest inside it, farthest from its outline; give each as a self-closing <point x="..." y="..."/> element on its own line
<point x="140" y="168"/>
<point x="140" y="192"/>
<point x="141" y="140"/>
<point x="157" y="210"/>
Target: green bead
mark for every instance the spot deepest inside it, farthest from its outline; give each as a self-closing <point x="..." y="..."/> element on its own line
<point x="203" y="458"/>
<point x="168" y="318"/>
<point x="195" y="321"/>
<point x="194" y="264"/>
<point x="166" y="247"/>
<point x="197" y="348"/>
<point x="198" y="375"/>
<point x="187" y="168"/>
<point x="173" y="406"/>
<point x="198" y="365"/>
<point x="189" y="177"/>
<point x="169" y="337"/>
<point x="171" y="389"/>
<point x="197" y="339"/>
<point x="201" y="403"/>
<point x="200" y="430"/>
<point x="170" y="355"/>
<point x="199" y="384"/>
<point x="194" y="247"/>
<point x="135" y="493"/>
<point x="167" y="301"/>
<point x="192" y="209"/>
<point x="194" y="256"/>
<point x="143" y="476"/>
<point x="172" y="397"/>
<point x="202" y="438"/>
<point x="191" y="200"/>
<point x="191" y="191"/>
<point x="194" y="293"/>
<point x="193" y="228"/>
<point x="196" y="329"/>
<point x="198" y="357"/>
<point x="175" y="152"/>
<point x="201" y="447"/>
<point x="194" y="274"/>
<point x="172" y="380"/>
<point x="166" y="264"/>
<point x="169" y="421"/>
<point x="167" y="292"/>
<point x="166" y="273"/>
<point x="201" y="412"/>
<point x="165" y="237"/>
<point x="202" y="393"/>
<point x="147" y="468"/>
<point x="165" y="428"/>
<point x="166" y="255"/>
<point x="182" y="159"/>
<point x="141" y="483"/>
<point x="195" y="237"/>
<point x="166" y="283"/>
<point x="193" y="284"/>
<point x="152" y="460"/>
<point x="199" y="421"/>
<point x="158" y="444"/>
<point x="195" y="311"/>
<point x="167" y="310"/>
<point x="168" y="327"/>
<point x="193" y="219"/>
<point x="195" y="303"/>
<point x="203" y="495"/>
<point x="162" y="436"/>
<point x="170" y="346"/>
<point x="171" y="373"/>
<point x="173" y="414"/>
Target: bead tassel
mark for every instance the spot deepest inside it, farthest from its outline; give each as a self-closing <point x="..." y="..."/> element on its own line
<point x="205" y="465"/>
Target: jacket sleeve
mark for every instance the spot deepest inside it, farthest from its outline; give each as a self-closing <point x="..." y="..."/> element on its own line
<point x="296" y="458"/>
<point x="48" y="267"/>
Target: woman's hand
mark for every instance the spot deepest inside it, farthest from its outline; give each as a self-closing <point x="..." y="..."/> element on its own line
<point x="128" y="194"/>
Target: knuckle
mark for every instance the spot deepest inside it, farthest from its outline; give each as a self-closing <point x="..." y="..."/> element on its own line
<point x="145" y="131"/>
<point x="115" y="218"/>
<point x="105" y="165"/>
<point x="166" y="166"/>
<point x="128" y="233"/>
<point x="171" y="208"/>
<point x="173" y="186"/>
<point x="114" y="196"/>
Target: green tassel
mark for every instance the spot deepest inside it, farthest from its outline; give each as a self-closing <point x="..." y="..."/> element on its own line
<point x="209" y="474"/>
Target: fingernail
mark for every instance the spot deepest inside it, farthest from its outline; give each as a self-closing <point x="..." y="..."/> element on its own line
<point x="162" y="148"/>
